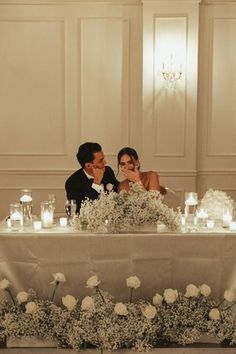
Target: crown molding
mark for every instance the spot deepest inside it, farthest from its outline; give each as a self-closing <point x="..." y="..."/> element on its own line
<point x="70" y="2"/>
<point x="217" y="2"/>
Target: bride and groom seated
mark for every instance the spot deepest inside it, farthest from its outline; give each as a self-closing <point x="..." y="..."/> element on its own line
<point x="94" y="176"/>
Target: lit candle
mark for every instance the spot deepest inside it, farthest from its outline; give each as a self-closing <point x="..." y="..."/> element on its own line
<point x="210" y="224"/>
<point x="160" y="227"/>
<point x="47" y="218"/>
<point x="183" y="220"/>
<point x="37" y="225"/>
<point x="232" y="226"/>
<point x="9" y="222"/>
<point x="227" y="218"/>
<point x="16" y="216"/>
<point x="202" y="214"/>
<point x="63" y="222"/>
<point x="191" y="200"/>
<point x="26" y="198"/>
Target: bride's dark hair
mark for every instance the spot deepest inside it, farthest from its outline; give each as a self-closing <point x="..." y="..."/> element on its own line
<point x="127" y="151"/>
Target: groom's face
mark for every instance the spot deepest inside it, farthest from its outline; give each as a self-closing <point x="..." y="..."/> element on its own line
<point x="99" y="160"/>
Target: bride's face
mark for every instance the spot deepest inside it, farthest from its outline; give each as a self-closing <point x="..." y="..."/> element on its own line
<point x="127" y="163"/>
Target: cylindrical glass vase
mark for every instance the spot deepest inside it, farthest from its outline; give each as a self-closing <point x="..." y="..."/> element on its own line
<point x="46" y="214"/>
<point x="190" y="209"/>
<point x="27" y="206"/>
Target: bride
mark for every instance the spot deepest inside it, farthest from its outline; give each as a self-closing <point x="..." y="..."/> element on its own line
<point x="129" y="165"/>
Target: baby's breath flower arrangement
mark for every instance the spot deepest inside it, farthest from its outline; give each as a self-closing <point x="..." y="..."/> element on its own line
<point x="214" y="202"/>
<point x="121" y="212"/>
<point x="98" y="321"/>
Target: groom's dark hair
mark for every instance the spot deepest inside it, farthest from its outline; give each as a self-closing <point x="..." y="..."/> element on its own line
<point x="86" y="152"/>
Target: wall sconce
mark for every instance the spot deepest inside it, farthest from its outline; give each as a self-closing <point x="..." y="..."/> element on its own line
<point x="171" y="72"/>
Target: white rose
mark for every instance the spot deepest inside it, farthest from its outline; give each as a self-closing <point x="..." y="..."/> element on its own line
<point x="58" y="278"/>
<point x="4" y="284"/>
<point x="133" y="282"/>
<point x="149" y="312"/>
<point x="229" y="295"/>
<point x="93" y="281"/>
<point x="109" y="187"/>
<point x="22" y="296"/>
<point x="157" y="299"/>
<point x="88" y="304"/>
<point x="205" y="290"/>
<point x="31" y="307"/>
<point x="170" y="296"/>
<point x="214" y="314"/>
<point x="120" y="309"/>
<point x="191" y="291"/>
<point x="69" y="302"/>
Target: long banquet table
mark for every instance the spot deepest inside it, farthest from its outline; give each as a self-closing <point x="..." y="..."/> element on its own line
<point x="160" y="260"/>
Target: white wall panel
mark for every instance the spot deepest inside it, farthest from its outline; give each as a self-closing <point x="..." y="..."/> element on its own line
<point x="216" y="98"/>
<point x="222" y="122"/>
<point x="32" y="87"/>
<point x="70" y="72"/>
<point x="170" y="103"/>
<point x="104" y="86"/>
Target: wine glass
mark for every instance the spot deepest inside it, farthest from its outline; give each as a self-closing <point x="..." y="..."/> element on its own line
<point x="52" y="201"/>
<point x="70" y="208"/>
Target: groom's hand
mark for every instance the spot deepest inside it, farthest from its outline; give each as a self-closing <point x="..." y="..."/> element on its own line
<point x="98" y="175"/>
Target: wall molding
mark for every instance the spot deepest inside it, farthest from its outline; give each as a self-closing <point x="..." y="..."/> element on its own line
<point x="216" y="173"/>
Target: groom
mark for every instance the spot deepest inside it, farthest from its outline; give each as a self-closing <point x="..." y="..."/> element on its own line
<point x="93" y="178"/>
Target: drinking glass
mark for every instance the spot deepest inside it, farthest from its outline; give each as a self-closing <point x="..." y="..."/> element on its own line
<point x="52" y="200"/>
<point x="70" y="208"/>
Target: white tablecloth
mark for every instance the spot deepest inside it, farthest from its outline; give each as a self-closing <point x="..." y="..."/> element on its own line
<point x="160" y="260"/>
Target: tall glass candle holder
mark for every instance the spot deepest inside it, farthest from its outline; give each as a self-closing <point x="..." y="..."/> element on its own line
<point x="227" y="217"/>
<point x="46" y="214"/>
<point x="27" y="206"/>
<point x="190" y="207"/>
<point x="16" y="216"/>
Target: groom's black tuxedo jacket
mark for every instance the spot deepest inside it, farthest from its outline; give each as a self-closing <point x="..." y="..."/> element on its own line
<point x="79" y="186"/>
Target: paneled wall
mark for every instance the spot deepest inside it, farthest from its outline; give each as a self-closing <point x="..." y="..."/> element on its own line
<point x="170" y="29"/>
<point x="73" y="71"/>
<point x="217" y="97"/>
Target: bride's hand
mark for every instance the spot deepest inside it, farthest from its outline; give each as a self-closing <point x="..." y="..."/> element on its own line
<point x="132" y="176"/>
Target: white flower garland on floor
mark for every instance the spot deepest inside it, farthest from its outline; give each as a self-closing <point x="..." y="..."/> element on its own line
<point x="98" y="321"/>
<point x="121" y="212"/>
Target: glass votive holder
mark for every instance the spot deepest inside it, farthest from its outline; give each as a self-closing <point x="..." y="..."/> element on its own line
<point x="227" y="217"/>
<point x="210" y="224"/>
<point x="201" y="217"/>
<point x="26" y="202"/>
<point x="16" y="216"/>
<point x="8" y="221"/>
<point x="63" y="222"/>
<point x="37" y="225"/>
<point x="46" y="214"/>
<point x="232" y="226"/>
